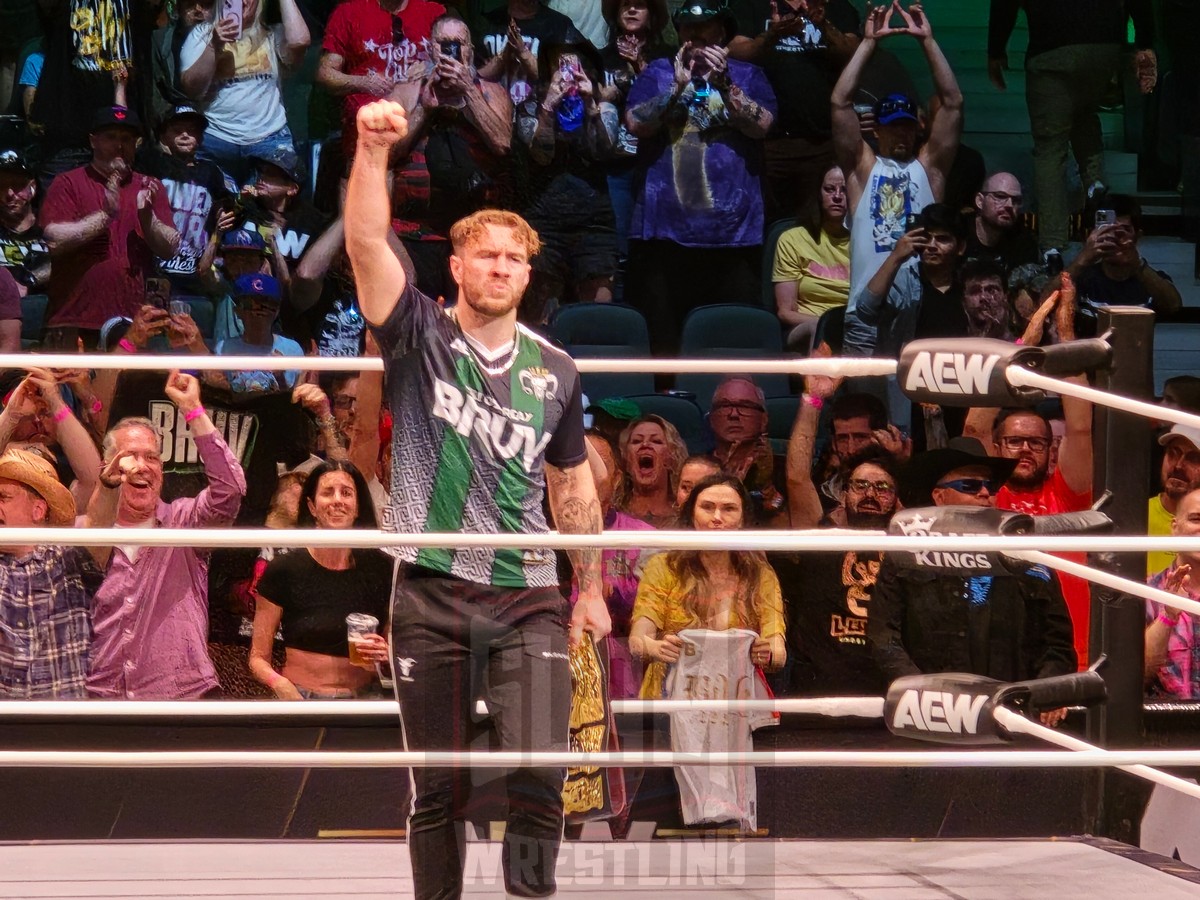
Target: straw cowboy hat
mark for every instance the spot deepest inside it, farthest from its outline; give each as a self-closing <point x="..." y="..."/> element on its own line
<point x="38" y="475"/>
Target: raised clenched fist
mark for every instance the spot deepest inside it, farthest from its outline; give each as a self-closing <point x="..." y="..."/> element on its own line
<point x="381" y="124"/>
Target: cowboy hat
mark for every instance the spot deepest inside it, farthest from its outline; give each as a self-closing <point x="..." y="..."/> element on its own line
<point x="38" y="475"/>
<point x="922" y="474"/>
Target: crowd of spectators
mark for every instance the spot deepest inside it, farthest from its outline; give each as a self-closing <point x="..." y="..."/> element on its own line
<point x="157" y="194"/>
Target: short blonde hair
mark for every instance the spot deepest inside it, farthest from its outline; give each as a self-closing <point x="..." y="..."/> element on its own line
<point x="467" y="231"/>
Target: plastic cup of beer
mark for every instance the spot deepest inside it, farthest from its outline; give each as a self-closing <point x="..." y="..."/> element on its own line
<point x="359" y="626"/>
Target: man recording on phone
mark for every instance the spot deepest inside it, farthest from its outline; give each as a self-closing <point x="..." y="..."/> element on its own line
<point x="1109" y="270"/>
<point x="452" y="160"/>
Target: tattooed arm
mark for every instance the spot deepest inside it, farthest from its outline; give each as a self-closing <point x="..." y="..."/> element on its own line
<point x="576" y="510"/>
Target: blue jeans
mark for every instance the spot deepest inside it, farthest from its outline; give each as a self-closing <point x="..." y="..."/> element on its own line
<point x="234" y="159"/>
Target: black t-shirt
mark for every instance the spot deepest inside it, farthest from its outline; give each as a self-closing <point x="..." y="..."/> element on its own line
<point x="799" y="67"/>
<point x="1018" y="247"/>
<point x="1097" y="289"/>
<point x="23" y="253"/>
<point x="827" y="598"/>
<point x="941" y="315"/>
<point x="194" y="191"/>
<point x="316" y="600"/>
<point x="545" y="25"/>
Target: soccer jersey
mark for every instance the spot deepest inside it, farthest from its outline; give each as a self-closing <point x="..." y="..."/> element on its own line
<point x="473" y="432"/>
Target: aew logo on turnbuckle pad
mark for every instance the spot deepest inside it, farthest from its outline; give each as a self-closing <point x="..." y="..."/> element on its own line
<point x="951" y="373"/>
<point x="538" y="383"/>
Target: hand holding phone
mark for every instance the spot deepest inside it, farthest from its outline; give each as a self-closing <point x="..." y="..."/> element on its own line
<point x="231" y="12"/>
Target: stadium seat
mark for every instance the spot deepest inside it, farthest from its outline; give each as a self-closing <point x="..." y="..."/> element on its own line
<point x="33" y="316"/>
<point x="730" y="331"/>
<point x="605" y="330"/>
<point x="681" y="412"/>
<point x="781" y="415"/>
<point x="1176" y="351"/>
<point x="774" y="232"/>
<point x="830" y="328"/>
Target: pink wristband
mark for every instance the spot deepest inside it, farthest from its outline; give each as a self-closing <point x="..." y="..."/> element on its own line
<point x="61" y="414"/>
<point x="1019" y="342"/>
<point x="194" y="414"/>
<point x="1170" y="623"/>
<point x="814" y="402"/>
<point x="127" y="345"/>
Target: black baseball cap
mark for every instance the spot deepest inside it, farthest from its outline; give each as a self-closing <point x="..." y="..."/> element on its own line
<point x="183" y="111"/>
<point x="13" y="161"/>
<point x="283" y="159"/>
<point x="115" y="117"/>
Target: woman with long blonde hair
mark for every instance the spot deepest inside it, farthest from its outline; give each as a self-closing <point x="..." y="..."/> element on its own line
<point x="233" y="69"/>
<point x="651" y="453"/>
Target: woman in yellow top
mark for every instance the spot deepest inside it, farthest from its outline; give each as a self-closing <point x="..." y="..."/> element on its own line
<point x="811" y="272"/>
<point x="714" y="589"/>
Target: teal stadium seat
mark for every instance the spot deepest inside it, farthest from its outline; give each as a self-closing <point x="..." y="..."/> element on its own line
<point x="774" y="232"/>
<point x="730" y="331"/>
<point x="600" y="331"/>
<point x="1176" y="351"/>
<point x="781" y="415"/>
<point x="33" y="319"/>
<point x="681" y="412"/>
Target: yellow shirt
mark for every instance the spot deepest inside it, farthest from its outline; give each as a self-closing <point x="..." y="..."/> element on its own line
<point x="1159" y="522"/>
<point x="821" y="269"/>
<point x="660" y="599"/>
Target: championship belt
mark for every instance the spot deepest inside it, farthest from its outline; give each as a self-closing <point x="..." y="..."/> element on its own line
<point x="591" y="793"/>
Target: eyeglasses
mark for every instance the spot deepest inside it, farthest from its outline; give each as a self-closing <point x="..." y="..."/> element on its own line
<point x="1001" y="197"/>
<point x="743" y="407"/>
<point x="862" y="486"/>
<point x="344" y="402"/>
<point x="1016" y="442"/>
<point x="969" y="485"/>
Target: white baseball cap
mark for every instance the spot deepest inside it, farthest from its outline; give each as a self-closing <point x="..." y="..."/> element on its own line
<point x="1187" y="432"/>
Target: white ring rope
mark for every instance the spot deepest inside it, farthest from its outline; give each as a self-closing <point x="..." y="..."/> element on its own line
<point x="1022" y="377"/>
<point x="384" y="759"/>
<point x="1129" y="586"/>
<point x="846" y="366"/>
<point x="825" y="540"/>
<point x="94" y="710"/>
<point x="1018" y="724"/>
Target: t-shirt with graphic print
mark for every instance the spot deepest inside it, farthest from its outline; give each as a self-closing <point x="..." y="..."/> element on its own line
<point x="370" y="39"/>
<point x="244" y="103"/>
<point x="799" y="66"/>
<point x="473" y="432"/>
<point x="192" y="190"/>
<point x="703" y="185"/>
<point x="544" y="26"/>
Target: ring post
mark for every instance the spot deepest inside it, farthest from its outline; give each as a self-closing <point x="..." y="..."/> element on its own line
<point x="1122" y="469"/>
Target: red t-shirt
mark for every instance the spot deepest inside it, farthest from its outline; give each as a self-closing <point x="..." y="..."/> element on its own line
<point x="1053" y="497"/>
<point x="360" y="32"/>
<point x="105" y="277"/>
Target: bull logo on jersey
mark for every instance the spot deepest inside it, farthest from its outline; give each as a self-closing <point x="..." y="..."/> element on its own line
<point x="538" y="383"/>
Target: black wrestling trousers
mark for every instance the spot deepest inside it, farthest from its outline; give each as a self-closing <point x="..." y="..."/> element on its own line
<point x="452" y="642"/>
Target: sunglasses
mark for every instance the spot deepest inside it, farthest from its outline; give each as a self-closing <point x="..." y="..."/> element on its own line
<point x="970" y="485"/>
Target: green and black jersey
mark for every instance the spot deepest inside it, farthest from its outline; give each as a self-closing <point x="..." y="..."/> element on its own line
<point x="472" y="432"/>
